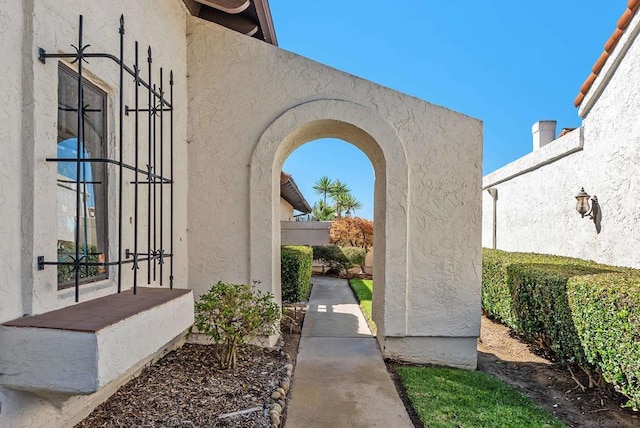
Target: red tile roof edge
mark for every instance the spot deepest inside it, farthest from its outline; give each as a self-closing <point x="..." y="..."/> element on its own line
<point x="623" y="23"/>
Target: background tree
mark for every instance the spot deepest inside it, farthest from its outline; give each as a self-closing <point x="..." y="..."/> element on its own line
<point x="322" y="212"/>
<point x="352" y="232"/>
<point x="341" y="197"/>
<point x="350" y="203"/>
<point x="323" y="187"/>
<point x="339" y="191"/>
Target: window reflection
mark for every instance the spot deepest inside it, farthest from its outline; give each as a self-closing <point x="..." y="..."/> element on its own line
<point x="91" y="176"/>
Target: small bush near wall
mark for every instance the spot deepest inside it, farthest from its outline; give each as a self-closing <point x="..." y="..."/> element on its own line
<point x="296" y="269"/>
<point x="332" y="256"/>
<point x="588" y="314"/>
<point x="606" y="315"/>
<point x="355" y="255"/>
<point x="340" y="258"/>
<point x="233" y="314"/>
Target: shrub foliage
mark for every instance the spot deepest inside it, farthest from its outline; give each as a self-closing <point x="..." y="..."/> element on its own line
<point x="295" y="274"/>
<point x="606" y="315"/>
<point x="233" y="314"/>
<point x="586" y="313"/>
<point x="339" y="258"/>
<point x="352" y="232"/>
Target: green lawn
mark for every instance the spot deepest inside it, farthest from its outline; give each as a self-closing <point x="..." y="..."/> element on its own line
<point x="445" y="397"/>
<point x="363" y="289"/>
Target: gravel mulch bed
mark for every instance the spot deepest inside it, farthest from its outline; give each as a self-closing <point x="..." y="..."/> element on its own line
<point x="186" y="389"/>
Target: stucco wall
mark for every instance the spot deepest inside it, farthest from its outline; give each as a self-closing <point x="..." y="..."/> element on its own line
<point x="11" y="160"/>
<point x="536" y="210"/>
<point x="291" y="100"/>
<point x="28" y="121"/>
<point x="286" y="210"/>
<point x="29" y="181"/>
<point x="305" y="232"/>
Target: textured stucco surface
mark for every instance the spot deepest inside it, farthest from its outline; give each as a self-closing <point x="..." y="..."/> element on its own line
<point x="30" y="182"/>
<point x="51" y="361"/>
<point x="536" y="210"/>
<point x="255" y="104"/>
<point x="121" y="346"/>
<point x="48" y="359"/>
<point x="11" y="34"/>
<point x="28" y="123"/>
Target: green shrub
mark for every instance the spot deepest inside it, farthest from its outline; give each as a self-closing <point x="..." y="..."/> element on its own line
<point x="586" y="313"/>
<point x="340" y="259"/>
<point x="606" y="315"/>
<point x="496" y="294"/>
<point x="296" y="269"/>
<point x="355" y="255"/>
<point x="540" y="308"/>
<point x="332" y="256"/>
<point x="231" y="315"/>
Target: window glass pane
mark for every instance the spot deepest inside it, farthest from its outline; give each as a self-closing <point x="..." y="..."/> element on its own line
<point x="92" y="224"/>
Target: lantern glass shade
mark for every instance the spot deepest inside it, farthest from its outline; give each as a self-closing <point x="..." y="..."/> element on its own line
<point x="582" y="205"/>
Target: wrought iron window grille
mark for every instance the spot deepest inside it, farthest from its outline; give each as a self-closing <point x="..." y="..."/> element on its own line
<point x="152" y="174"/>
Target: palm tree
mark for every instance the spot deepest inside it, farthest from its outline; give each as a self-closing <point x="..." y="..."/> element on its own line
<point x="350" y="203"/>
<point x="338" y="192"/>
<point x="322" y="212"/>
<point x="323" y="187"/>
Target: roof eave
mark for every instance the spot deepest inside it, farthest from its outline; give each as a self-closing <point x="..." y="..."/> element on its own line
<point x="614" y="49"/>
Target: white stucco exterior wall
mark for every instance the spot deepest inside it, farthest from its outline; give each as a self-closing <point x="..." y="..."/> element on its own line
<point x="253" y="105"/>
<point x="536" y="204"/>
<point x="12" y="32"/>
<point x="28" y="124"/>
<point x="55" y="28"/>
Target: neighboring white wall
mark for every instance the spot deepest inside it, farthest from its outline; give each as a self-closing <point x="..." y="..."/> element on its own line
<point x="427" y="268"/>
<point x="305" y="232"/>
<point x="286" y="210"/>
<point x="536" y="204"/>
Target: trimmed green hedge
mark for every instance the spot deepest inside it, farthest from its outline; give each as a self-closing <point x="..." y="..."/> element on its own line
<point x="540" y="306"/>
<point x="496" y="293"/>
<point x="606" y="315"/>
<point x="296" y="269"/>
<point x="586" y="313"/>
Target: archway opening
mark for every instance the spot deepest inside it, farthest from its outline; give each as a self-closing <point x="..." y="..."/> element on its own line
<point x="353" y="141"/>
<point x="336" y="179"/>
<point x="341" y="162"/>
<point x="364" y="129"/>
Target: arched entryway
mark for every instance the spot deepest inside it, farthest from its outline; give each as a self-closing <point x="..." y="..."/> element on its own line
<point x="370" y="133"/>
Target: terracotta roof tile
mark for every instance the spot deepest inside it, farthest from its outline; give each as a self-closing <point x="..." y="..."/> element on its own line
<point x="587" y="83"/>
<point x="623" y="23"/>
<point x="613" y="39"/>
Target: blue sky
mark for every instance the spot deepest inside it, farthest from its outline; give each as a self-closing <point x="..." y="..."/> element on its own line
<point x="508" y="63"/>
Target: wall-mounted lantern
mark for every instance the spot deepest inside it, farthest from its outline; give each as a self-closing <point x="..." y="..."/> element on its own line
<point x="583" y="205"/>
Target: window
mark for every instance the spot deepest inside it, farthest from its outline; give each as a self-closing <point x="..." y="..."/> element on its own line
<point x="88" y="218"/>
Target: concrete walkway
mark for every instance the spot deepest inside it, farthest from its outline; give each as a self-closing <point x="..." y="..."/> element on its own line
<point x="340" y="379"/>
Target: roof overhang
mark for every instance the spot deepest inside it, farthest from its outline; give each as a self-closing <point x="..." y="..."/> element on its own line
<point x="249" y="17"/>
<point x="289" y="192"/>
<point x="614" y="49"/>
